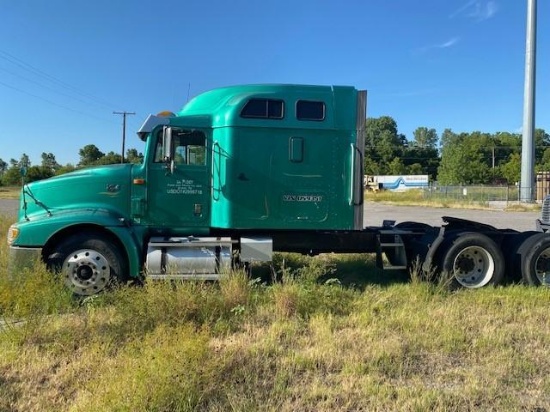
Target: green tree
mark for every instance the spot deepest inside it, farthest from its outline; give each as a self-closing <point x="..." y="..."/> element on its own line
<point x="396" y="167"/>
<point x="24" y="161"/>
<point x="416" y="169"/>
<point x="542" y="142"/>
<point x="506" y="144"/>
<point x="109" y="159"/>
<point x="132" y="156"/>
<point x="49" y="162"/>
<point x="3" y="167"/>
<point x="35" y="173"/>
<point x="447" y="137"/>
<point x="371" y="167"/>
<point x="511" y="170"/>
<point x="65" y="169"/>
<point x="381" y="126"/>
<point x="425" y="159"/>
<point x="12" y="176"/>
<point x="89" y="155"/>
<point x="544" y="165"/>
<point x="425" y="138"/>
<point x="463" y="161"/>
<point x="383" y="143"/>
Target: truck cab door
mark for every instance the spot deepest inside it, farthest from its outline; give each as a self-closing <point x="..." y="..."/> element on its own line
<point x="178" y="180"/>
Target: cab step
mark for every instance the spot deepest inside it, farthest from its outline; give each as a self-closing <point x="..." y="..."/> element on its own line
<point x="390" y="244"/>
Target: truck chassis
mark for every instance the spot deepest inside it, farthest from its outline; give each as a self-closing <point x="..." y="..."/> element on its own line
<point x="473" y="254"/>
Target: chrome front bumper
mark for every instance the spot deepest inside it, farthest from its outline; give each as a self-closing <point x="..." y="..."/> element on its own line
<point x="22" y="258"/>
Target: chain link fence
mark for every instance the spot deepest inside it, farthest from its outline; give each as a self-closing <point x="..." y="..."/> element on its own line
<point x="487" y="193"/>
<point x="474" y="194"/>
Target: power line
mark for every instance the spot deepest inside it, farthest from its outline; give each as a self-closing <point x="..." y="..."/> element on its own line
<point x="44" y="86"/>
<point x="49" y="101"/>
<point x="52" y="84"/>
<point x="40" y="73"/>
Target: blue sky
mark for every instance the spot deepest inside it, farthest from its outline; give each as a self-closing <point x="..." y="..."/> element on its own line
<point x="65" y="66"/>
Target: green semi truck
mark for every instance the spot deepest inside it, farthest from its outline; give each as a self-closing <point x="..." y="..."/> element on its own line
<point x="238" y="173"/>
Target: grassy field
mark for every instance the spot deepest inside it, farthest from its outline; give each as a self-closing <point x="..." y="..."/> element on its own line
<point x="332" y="335"/>
<point x="9" y="192"/>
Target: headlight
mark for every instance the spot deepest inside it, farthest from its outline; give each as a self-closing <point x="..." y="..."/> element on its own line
<point x="13" y="232"/>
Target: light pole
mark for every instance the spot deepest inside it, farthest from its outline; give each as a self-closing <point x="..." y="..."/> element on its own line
<point x="527" y="143"/>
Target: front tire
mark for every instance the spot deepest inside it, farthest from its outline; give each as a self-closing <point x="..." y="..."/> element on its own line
<point x="473" y="260"/>
<point x="88" y="263"/>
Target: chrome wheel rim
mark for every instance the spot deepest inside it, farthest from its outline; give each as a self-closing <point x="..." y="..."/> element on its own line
<point x="86" y="272"/>
<point x="473" y="267"/>
<point x="542" y="267"/>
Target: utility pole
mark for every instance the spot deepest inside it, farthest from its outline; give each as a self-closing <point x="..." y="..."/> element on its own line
<point x="124" y="114"/>
<point x="527" y="143"/>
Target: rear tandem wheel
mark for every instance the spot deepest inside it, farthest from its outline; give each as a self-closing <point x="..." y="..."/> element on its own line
<point x="473" y="260"/>
<point x="535" y="260"/>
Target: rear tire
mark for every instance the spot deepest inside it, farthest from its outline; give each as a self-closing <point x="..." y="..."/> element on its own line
<point x="535" y="260"/>
<point x="474" y="261"/>
<point x="513" y="248"/>
<point x="88" y="263"/>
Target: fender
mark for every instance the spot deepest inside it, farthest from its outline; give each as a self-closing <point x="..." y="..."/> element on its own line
<point x="452" y="228"/>
<point x="429" y="259"/>
<point x="37" y="233"/>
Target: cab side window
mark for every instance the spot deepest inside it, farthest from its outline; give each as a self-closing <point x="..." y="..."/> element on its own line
<point x="188" y="147"/>
<point x="263" y="109"/>
<point x="310" y="110"/>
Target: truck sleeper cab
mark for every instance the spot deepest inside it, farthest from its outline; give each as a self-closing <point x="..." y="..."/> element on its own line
<point x="238" y="173"/>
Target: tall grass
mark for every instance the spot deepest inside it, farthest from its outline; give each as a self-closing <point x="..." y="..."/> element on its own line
<point x="9" y="192"/>
<point x="329" y="334"/>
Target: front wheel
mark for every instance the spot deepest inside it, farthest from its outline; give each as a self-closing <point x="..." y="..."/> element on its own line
<point x="473" y="260"/>
<point x="88" y="263"/>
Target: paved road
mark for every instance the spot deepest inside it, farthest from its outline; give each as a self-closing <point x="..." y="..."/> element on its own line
<point x="9" y="207"/>
<point x="375" y="213"/>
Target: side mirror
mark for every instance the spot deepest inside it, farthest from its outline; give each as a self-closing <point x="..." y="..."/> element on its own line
<point x="167" y="144"/>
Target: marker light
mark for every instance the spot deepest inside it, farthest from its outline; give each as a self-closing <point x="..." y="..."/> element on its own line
<point x="13" y="232"/>
<point x="166" y="113"/>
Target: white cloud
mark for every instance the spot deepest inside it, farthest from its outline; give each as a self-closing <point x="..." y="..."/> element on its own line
<point x="448" y="43"/>
<point x="463" y="8"/>
<point x="445" y="45"/>
<point x="478" y="10"/>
